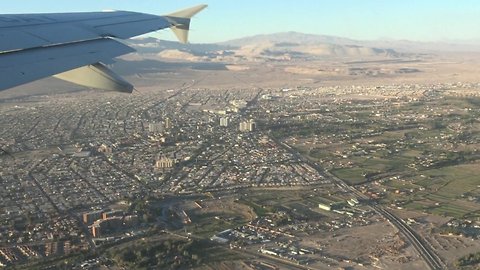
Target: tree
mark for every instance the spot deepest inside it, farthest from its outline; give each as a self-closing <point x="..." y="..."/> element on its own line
<point x="129" y="256"/>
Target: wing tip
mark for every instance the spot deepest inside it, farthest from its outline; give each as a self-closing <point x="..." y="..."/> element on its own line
<point x="181" y="21"/>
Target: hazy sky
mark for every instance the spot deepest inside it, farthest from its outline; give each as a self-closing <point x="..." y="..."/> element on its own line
<point x="423" y="20"/>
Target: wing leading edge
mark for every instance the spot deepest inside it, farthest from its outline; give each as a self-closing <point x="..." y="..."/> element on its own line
<point x="31" y="47"/>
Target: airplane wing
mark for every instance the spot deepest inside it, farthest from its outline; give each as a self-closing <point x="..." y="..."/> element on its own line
<point x="75" y="46"/>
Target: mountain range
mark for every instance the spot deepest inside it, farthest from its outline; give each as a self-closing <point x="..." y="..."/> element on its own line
<point x="290" y="46"/>
<point x="282" y="59"/>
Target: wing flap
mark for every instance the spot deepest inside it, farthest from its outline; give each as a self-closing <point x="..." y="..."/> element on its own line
<point x="44" y="35"/>
<point x="143" y="24"/>
<point x="61" y="33"/>
<point x="20" y="67"/>
<point x="13" y="40"/>
<point x="96" y="76"/>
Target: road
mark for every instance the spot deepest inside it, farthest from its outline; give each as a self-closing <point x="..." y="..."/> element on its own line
<point x="421" y="245"/>
<point x="61" y="212"/>
<point x="425" y="250"/>
<point x="247" y="253"/>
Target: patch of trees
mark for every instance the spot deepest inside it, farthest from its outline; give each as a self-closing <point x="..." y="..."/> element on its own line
<point x="469" y="260"/>
<point x="455" y="158"/>
<point x="474" y="101"/>
<point x="145" y="208"/>
<point x="169" y="254"/>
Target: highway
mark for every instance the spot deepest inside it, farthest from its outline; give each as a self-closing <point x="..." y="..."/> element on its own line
<point x="421" y="245"/>
<point x="425" y="250"/>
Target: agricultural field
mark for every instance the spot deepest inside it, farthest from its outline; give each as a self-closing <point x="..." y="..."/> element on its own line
<point x="421" y="155"/>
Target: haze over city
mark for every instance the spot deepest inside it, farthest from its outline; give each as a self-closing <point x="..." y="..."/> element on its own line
<point x="283" y="135"/>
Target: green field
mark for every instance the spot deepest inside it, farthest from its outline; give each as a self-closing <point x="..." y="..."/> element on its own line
<point x="446" y="189"/>
<point x="352" y="176"/>
<point x="434" y="157"/>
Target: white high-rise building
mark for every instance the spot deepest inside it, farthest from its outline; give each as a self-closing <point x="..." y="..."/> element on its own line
<point x="224" y="121"/>
<point x="252" y="125"/>
<point x="243" y="127"/>
<point x="247" y="126"/>
<point x="168" y="124"/>
<point x="164" y="163"/>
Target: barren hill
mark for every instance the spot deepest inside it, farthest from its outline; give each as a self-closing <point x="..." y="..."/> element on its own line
<point x="274" y="47"/>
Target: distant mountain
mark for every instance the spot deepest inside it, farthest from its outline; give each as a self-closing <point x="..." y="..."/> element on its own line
<point x="152" y="45"/>
<point x="288" y="46"/>
<point x="274" y="47"/>
<point x="397" y="45"/>
<point x="283" y="50"/>
<point x="424" y="47"/>
<point x="286" y="38"/>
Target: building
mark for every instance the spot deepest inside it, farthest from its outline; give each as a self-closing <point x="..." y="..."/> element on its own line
<point x="252" y="126"/>
<point x="69" y="150"/>
<point x="353" y="202"/>
<point x="96" y="232"/>
<point x="325" y="207"/>
<point x="239" y="104"/>
<point x="164" y="163"/>
<point x="111" y="214"/>
<point x="90" y="217"/>
<point x="104" y="149"/>
<point x="247" y="126"/>
<point x="168" y="124"/>
<point x="224" y="121"/>
<point x="243" y="127"/>
<point x="82" y="154"/>
<point x="332" y="206"/>
<point x="155" y="127"/>
<point x="107" y="226"/>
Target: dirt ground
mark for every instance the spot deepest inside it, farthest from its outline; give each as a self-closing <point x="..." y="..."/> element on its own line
<point x="448" y="247"/>
<point x="374" y="246"/>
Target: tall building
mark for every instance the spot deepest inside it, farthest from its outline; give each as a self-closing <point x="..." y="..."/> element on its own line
<point x="252" y="126"/>
<point x="243" y="127"/>
<point x="164" y="163"/>
<point x="155" y="128"/>
<point x="224" y="121"/>
<point x="90" y="217"/>
<point x="96" y="230"/>
<point x="247" y="126"/>
<point x="110" y="214"/>
<point x="107" y="226"/>
<point x="168" y="124"/>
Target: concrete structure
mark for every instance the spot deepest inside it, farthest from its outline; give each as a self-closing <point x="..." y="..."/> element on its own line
<point x="224" y="121"/>
<point x="111" y="214"/>
<point x="155" y="128"/>
<point x="247" y="126"/>
<point x="325" y="207"/>
<point x="164" y="163"/>
<point x="168" y="123"/>
<point x="90" y="217"/>
<point x="107" y="226"/>
<point x="104" y="149"/>
<point x="96" y="230"/>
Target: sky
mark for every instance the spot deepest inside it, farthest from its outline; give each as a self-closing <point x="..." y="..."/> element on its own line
<point x="416" y="20"/>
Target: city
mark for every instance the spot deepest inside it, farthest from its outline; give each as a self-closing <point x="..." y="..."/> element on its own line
<point x="273" y="177"/>
<point x="252" y="135"/>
